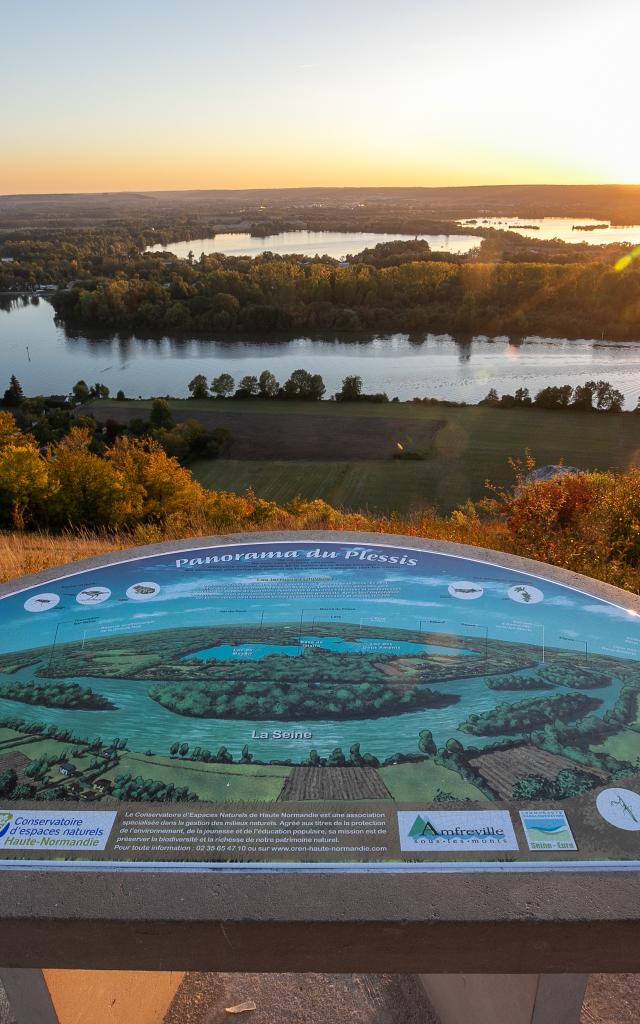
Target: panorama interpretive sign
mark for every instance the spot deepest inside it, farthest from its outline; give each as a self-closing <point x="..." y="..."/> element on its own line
<point x="306" y="703"/>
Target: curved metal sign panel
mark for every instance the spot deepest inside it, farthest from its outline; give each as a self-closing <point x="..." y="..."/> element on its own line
<point x="313" y="704"/>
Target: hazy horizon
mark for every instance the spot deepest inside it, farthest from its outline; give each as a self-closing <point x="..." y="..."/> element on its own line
<point x="324" y="187"/>
<point x="159" y="96"/>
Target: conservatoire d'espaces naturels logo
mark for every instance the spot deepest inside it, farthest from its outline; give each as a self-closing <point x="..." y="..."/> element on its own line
<point x="55" y="829"/>
<point x="456" y="830"/>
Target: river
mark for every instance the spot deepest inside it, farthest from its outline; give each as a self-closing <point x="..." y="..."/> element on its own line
<point x="340" y="244"/>
<point x="47" y="360"/>
<point x="337" y="244"/>
<point x="567" y="229"/>
<point x="148" y="725"/>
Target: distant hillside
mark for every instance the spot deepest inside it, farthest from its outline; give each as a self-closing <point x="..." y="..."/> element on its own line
<point x="618" y="203"/>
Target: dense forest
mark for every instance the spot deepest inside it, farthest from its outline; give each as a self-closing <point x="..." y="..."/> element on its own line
<point x="527" y="715"/>
<point x="272" y="293"/>
<point x="548" y="677"/>
<point x="574" y="676"/>
<point x="56" y="695"/>
<point x="268" y="698"/>
<point x="518" y="683"/>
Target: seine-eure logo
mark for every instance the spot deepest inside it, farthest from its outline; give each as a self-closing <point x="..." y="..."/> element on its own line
<point x="456" y="830"/>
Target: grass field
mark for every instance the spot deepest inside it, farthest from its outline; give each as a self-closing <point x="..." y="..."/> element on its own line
<point x="214" y="782"/>
<point x="377" y="486"/>
<point x="9" y="737"/>
<point x="210" y="781"/>
<point x="465" y="448"/>
<point x="423" y="779"/>
<point x="49" y="747"/>
<point x="624" y="745"/>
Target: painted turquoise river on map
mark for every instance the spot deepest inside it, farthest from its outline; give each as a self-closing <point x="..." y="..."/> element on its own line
<point x="147" y="725"/>
<point x="274" y="653"/>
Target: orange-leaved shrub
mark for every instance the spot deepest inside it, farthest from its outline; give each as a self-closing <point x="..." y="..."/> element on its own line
<point x="587" y="522"/>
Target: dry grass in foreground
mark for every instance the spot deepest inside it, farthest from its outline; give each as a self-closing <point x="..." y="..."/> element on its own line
<point x="23" y="553"/>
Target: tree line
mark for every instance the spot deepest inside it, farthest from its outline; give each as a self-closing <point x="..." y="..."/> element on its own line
<point x="300" y="385"/>
<point x="597" y="395"/>
<point x="568" y="782"/>
<point x="335" y="759"/>
<point x="67" y="485"/>
<point x="220" y="294"/>
<point x="55" y="412"/>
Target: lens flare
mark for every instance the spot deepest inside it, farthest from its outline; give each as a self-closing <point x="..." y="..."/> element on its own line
<point x="626" y="260"/>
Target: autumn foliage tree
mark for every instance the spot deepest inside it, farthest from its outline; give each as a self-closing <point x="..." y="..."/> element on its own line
<point x="86" y="488"/>
<point x="25" y="486"/>
<point x="70" y="486"/>
<point x="587" y="522"/>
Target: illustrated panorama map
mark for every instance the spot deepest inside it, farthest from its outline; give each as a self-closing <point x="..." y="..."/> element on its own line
<point x="318" y="706"/>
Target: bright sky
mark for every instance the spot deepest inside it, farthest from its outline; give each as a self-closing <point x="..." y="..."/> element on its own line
<point x="155" y="94"/>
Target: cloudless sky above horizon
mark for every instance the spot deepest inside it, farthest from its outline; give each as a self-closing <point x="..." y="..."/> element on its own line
<point x="155" y="94"/>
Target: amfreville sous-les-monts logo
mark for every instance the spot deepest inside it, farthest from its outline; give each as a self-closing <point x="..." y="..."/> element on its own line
<point x="456" y="830"/>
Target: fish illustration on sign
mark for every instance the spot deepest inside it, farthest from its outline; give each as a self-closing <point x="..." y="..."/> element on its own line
<point x="465" y="590"/>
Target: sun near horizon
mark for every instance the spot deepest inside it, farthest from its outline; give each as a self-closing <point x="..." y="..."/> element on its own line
<point x="158" y="95"/>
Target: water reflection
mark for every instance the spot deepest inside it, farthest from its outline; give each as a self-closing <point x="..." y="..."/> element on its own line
<point x="465" y="347"/>
<point x="337" y="244"/>
<point x="566" y="229"/>
<point x="47" y="359"/>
